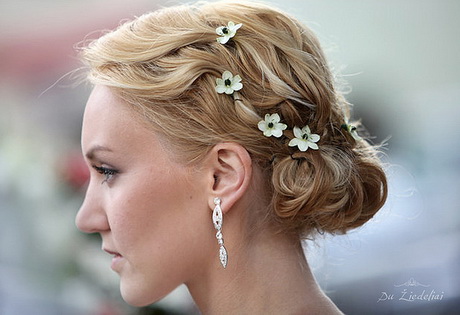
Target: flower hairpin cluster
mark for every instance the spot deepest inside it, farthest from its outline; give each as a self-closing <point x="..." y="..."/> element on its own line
<point x="271" y="125"/>
<point x="303" y="138"/>
<point x="229" y="83"/>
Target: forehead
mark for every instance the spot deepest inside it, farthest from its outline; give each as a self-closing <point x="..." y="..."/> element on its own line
<point x="108" y="120"/>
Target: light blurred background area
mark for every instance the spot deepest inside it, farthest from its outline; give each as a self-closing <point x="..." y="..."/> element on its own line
<point x="401" y="60"/>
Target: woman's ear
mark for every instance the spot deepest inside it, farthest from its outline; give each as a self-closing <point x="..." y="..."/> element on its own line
<point x="230" y="172"/>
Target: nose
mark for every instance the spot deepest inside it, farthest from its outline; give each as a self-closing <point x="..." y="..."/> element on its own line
<point x="92" y="218"/>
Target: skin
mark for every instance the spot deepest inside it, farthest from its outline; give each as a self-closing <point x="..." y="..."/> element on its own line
<point x="154" y="216"/>
<point x="147" y="209"/>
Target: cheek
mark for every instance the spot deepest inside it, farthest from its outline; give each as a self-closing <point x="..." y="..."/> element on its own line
<point x="160" y="229"/>
<point x="138" y="211"/>
<point x="152" y="213"/>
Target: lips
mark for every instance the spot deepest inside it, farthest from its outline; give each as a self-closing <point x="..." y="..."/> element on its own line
<point x="111" y="252"/>
<point x="116" y="260"/>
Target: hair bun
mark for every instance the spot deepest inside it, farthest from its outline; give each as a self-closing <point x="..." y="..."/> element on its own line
<point x="330" y="190"/>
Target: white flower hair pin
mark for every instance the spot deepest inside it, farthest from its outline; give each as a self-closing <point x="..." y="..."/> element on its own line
<point x="351" y="130"/>
<point x="304" y="139"/>
<point x="227" y="32"/>
<point x="228" y="83"/>
<point x="271" y="126"/>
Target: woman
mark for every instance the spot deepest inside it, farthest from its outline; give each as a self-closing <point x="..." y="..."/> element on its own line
<point x="217" y="141"/>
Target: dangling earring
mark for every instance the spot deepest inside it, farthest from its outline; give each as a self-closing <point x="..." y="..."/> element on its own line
<point x="217" y="219"/>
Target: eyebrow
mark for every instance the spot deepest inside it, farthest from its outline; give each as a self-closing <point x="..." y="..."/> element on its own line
<point x="97" y="148"/>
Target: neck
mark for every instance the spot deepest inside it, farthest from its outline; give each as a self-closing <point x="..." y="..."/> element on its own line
<point x="269" y="275"/>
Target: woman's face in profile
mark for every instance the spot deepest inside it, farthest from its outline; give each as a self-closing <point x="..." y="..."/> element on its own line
<point x="150" y="211"/>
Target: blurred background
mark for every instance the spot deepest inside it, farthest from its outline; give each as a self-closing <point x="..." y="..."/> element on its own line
<point x="401" y="59"/>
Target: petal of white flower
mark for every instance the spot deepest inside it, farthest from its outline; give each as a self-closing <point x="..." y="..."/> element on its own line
<point x="222" y="40"/>
<point x="297" y="132"/>
<point x="293" y="142"/>
<point x="230" y="24"/>
<point x="306" y="130"/>
<point x="281" y="126"/>
<point x="219" y="81"/>
<point x="355" y="135"/>
<point x="262" y="125"/>
<point x="227" y="75"/>
<point x="303" y="145"/>
<point x="314" y="137"/>
<point x="237" y="86"/>
<point x="277" y="132"/>
<point x="219" y="30"/>
<point x="268" y="132"/>
<point x="228" y="90"/>
<point x="237" y="78"/>
<point x="275" y="118"/>
<point x="312" y="145"/>
<point x="220" y="89"/>
<point x="237" y="26"/>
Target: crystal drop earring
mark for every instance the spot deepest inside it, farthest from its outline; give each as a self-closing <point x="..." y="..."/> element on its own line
<point x="217" y="219"/>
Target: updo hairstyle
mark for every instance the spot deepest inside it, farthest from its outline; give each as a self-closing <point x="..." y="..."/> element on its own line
<point x="165" y="65"/>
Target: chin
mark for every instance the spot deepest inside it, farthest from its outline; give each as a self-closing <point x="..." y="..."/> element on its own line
<point x="136" y="295"/>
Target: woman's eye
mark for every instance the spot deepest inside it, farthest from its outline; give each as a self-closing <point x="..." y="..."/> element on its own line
<point x="107" y="172"/>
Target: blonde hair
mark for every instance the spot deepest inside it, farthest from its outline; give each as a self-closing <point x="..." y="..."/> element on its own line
<point x="165" y="65"/>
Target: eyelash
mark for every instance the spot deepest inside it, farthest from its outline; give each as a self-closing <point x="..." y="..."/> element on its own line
<point x="107" y="172"/>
